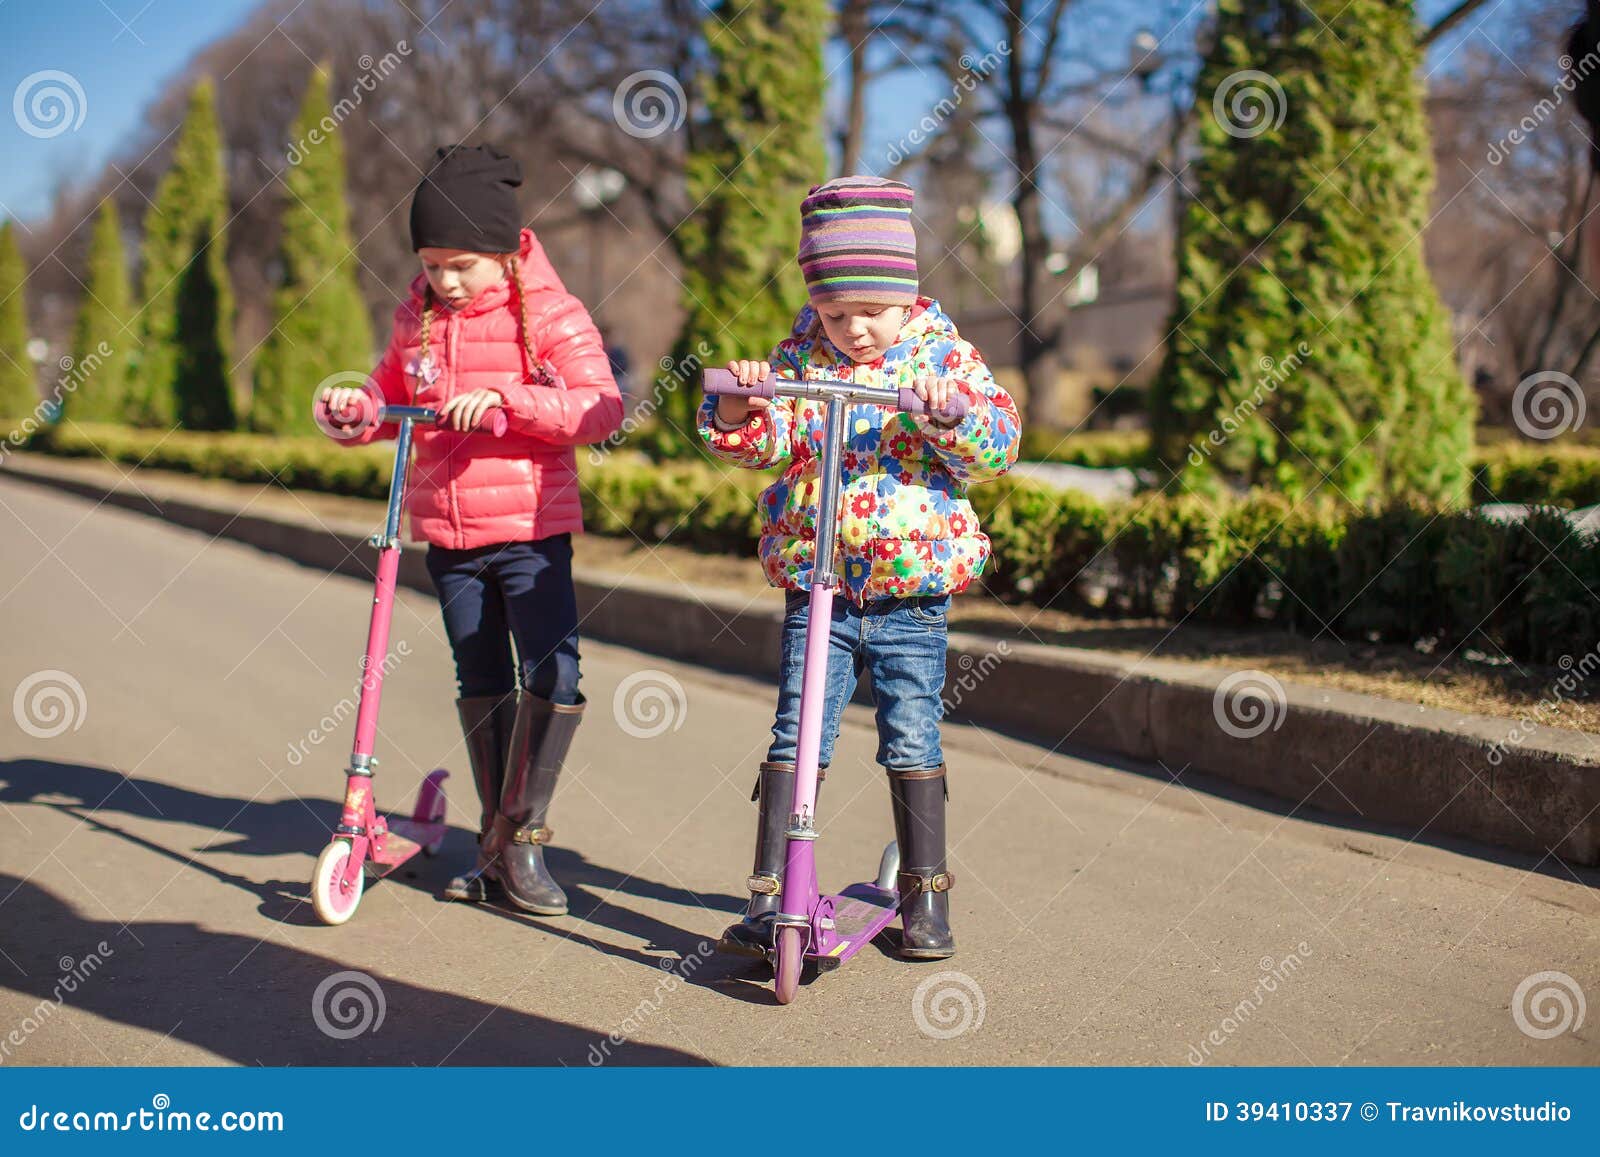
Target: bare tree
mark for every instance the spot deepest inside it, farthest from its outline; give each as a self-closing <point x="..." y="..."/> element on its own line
<point x="1515" y="194"/>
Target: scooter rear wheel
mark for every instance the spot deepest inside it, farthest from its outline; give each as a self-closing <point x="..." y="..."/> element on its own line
<point x="333" y="904"/>
<point x="436" y="812"/>
<point x="791" y="955"/>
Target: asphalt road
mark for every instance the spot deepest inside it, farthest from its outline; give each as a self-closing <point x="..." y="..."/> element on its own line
<point x="167" y="779"/>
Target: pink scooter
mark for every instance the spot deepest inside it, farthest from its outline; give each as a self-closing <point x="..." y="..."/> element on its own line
<point x="826" y="929"/>
<point x="364" y="840"/>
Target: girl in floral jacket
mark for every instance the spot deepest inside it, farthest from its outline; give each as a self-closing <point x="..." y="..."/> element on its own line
<point x="908" y="537"/>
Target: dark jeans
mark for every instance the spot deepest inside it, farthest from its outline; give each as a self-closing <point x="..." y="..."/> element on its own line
<point x="493" y="594"/>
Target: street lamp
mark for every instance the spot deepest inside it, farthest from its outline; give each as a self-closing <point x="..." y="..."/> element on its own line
<point x="1144" y="57"/>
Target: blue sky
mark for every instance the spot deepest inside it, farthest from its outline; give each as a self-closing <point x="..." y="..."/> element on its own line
<point x="121" y="52"/>
<point x="120" y="70"/>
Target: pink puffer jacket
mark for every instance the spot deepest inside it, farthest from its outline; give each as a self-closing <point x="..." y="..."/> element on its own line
<point x="470" y="490"/>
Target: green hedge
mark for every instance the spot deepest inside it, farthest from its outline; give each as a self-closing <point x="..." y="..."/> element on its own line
<point x="1566" y="474"/>
<point x="1400" y="574"/>
<point x="1095" y="448"/>
<point x="306" y="463"/>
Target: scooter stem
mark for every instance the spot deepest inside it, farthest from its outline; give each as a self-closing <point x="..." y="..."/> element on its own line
<point x="388" y="543"/>
<point x="800" y="874"/>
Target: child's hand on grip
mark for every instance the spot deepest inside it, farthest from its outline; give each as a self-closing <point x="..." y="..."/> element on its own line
<point x="464" y="411"/>
<point x="734" y="410"/>
<point x="938" y="393"/>
<point x="344" y="404"/>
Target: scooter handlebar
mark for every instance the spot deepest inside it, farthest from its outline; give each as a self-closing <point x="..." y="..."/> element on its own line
<point x="367" y="411"/>
<point x="720" y="383"/>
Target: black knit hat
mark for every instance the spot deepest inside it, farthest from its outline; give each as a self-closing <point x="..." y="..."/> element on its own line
<point x="466" y="201"/>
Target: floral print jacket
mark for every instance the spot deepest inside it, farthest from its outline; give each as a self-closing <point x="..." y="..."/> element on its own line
<point x="906" y="526"/>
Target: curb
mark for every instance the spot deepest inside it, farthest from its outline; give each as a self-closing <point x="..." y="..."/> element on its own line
<point x="1416" y="768"/>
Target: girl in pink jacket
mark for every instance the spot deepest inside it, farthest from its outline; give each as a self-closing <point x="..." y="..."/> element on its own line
<point x="489" y="324"/>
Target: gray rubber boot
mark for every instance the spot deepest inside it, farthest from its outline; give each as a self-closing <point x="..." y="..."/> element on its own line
<point x="918" y="796"/>
<point x="540" y="740"/>
<point x="752" y="936"/>
<point x="486" y="722"/>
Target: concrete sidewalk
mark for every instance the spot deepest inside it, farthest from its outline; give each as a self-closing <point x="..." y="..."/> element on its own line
<point x="1407" y="766"/>
<point x="177" y="764"/>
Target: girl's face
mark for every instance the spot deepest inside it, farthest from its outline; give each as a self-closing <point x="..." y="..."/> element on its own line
<point x="458" y="276"/>
<point x="862" y="330"/>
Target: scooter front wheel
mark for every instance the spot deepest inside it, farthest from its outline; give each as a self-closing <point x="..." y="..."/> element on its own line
<point x="790" y="950"/>
<point x="333" y="903"/>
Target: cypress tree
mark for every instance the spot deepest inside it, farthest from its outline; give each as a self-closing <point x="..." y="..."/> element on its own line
<point x="320" y="324"/>
<point x="102" y="326"/>
<point x="188" y="303"/>
<point x="1309" y="340"/>
<point x="761" y="151"/>
<point x="19" y="393"/>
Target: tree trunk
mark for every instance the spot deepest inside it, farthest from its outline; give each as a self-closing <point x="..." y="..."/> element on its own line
<point x="855" y="27"/>
<point x="1036" y="344"/>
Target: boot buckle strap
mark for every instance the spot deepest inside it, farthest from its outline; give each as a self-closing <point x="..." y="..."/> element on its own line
<point x="760" y="885"/>
<point x="911" y="884"/>
<point x="534" y="836"/>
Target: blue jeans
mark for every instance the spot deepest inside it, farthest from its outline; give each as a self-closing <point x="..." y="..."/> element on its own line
<point x="493" y="594"/>
<point x="901" y="643"/>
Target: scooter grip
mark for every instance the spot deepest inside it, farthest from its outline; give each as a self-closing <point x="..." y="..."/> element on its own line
<point x="719" y="382"/>
<point x="911" y="403"/>
<point x="493" y="422"/>
<point x="362" y="414"/>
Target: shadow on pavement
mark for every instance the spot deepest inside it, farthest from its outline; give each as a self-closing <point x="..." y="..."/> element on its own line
<point x="256" y="1002"/>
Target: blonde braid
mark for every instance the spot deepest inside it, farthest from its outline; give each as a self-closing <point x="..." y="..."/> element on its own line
<point x="427" y="330"/>
<point x="538" y="372"/>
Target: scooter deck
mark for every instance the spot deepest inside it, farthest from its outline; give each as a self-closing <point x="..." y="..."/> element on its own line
<point x="860" y="912"/>
<point x="405" y="839"/>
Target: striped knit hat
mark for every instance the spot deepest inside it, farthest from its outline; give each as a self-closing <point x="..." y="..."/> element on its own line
<point x="856" y="242"/>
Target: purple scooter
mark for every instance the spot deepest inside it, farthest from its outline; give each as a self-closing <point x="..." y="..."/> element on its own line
<point x="827" y="929"/>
